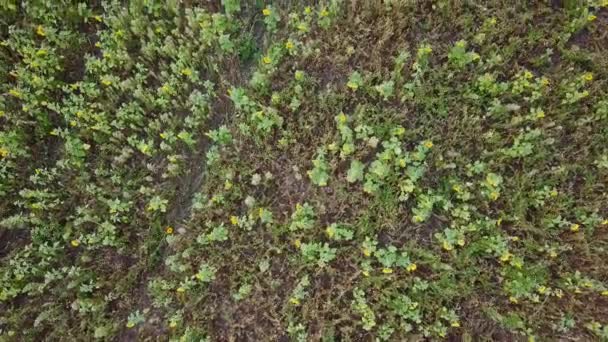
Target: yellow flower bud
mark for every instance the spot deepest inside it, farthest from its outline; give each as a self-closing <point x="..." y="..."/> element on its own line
<point x="447" y="246"/>
<point x="234" y="220"/>
<point x="40" y="31"/>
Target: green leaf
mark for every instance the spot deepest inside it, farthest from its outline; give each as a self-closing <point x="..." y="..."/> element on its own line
<point x="231" y="6"/>
<point x="355" y="172"/>
<point x="303" y="217"/>
<point x="218" y="233"/>
<point x="355" y="81"/>
<point x="264" y="265"/>
<point x="206" y="273"/>
<point x="101" y="331"/>
<point x="319" y="175"/>
<point x="380" y="169"/>
<point x="386" y="89"/>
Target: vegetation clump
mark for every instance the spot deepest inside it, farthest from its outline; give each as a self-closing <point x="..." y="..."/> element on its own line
<point x="349" y="171"/>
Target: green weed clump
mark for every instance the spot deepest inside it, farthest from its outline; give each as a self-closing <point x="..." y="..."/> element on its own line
<point x="349" y="171"/>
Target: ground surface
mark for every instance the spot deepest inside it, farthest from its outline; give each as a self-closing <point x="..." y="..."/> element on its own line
<point x="348" y="171"/>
